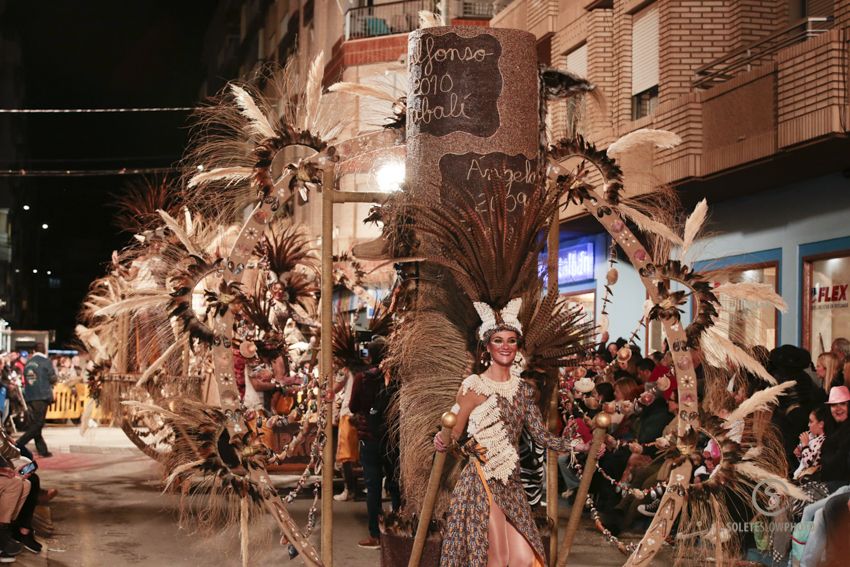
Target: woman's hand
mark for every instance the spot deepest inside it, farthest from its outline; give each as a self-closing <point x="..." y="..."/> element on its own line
<point x="439" y="446"/>
<point x="804" y="439"/>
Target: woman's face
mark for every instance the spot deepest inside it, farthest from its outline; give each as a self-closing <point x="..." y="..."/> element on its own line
<point x="815" y="426"/>
<point x="839" y="411"/>
<point x="613" y="348"/>
<point x="502" y="347"/>
<point x="820" y="370"/>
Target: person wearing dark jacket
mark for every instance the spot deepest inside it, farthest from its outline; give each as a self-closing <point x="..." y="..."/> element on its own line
<point x="38" y="393"/>
<point x="791" y="416"/>
<point x="371" y="395"/>
<point x="835" y="451"/>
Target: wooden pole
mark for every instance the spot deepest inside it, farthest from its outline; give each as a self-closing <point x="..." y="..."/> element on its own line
<point x="600" y="424"/>
<point x="552" y="246"/>
<point x="326" y="362"/>
<point x="448" y="422"/>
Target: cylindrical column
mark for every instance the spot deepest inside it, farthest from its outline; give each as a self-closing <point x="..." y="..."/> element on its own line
<point x="472" y="111"/>
<point x="326" y="363"/>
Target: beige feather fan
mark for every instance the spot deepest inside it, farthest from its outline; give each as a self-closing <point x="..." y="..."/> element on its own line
<point x="694" y="224"/>
<point x="719" y="350"/>
<point x="258" y="125"/>
<point x="138" y="302"/>
<point x="751" y="470"/>
<point x="235" y="174"/>
<point x="755" y="292"/>
<point x="361" y="90"/>
<point x="157" y="364"/>
<point x="428" y="19"/>
<point x="178" y="231"/>
<point x="313" y="91"/>
<point x="635" y="154"/>
<point x="646" y="224"/>
<point x="761" y="400"/>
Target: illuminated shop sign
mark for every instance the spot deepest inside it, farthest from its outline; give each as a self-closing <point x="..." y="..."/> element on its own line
<point x="575" y="263"/>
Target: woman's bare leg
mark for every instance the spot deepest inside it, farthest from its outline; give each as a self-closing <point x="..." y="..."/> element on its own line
<point x="497" y="538"/>
<point x="520" y="552"/>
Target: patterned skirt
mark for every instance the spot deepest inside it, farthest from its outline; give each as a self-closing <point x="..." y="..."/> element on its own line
<point x="465" y="541"/>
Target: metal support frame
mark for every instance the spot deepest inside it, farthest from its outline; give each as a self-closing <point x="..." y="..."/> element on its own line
<point x="330" y="197"/>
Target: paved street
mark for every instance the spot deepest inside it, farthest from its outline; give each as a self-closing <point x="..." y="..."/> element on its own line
<point x="110" y="511"/>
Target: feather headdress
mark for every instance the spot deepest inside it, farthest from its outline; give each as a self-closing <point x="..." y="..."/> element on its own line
<point x="506" y="319"/>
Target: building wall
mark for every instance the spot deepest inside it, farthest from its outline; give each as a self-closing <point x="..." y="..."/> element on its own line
<point x="751" y="227"/>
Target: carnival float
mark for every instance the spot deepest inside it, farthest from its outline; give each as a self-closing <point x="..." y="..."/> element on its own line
<point x="220" y="277"/>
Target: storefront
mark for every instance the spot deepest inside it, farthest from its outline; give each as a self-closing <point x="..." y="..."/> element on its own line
<point x="825" y="310"/>
<point x="578" y="263"/>
<point x="760" y="323"/>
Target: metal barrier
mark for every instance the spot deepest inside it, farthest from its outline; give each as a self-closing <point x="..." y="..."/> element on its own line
<point x="68" y="402"/>
<point x="385" y="19"/>
<point x="743" y="59"/>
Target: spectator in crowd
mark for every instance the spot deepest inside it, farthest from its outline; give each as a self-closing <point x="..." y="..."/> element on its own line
<point x="828" y="371"/>
<point x="841" y="348"/>
<point x="370" y="396"/>
<point x="348" y="446"/>
<point x="38" y="393"/>
<point x="14" y="490"/>
<point x="791" y="416"/>
<point x="809" y="449"/>
<point x="645" y="366"/>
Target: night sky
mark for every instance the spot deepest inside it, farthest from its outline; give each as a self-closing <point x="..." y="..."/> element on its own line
<point x="86" y="55"/>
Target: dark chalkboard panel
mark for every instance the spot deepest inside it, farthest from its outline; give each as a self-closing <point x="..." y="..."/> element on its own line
<point x="455" y="85"/>
<point x="477" y="175"/>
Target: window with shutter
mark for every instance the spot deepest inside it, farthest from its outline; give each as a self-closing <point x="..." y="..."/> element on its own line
<point x="576" y="62"/>
<point x="644" y="61"/>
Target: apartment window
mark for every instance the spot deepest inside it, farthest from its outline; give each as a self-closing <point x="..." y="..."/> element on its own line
<point x="644" y="61"/>
<point x="576" y="62"/>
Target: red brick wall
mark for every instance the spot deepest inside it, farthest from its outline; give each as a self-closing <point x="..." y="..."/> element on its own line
<point x="384" y="49"/>
<point x="601" y="69"/>
<point x="692" y="33"/>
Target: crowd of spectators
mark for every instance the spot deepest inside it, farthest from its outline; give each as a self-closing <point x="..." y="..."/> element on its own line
<point x="810" y="422"/>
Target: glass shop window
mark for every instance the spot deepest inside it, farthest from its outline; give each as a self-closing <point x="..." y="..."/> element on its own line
<point x="586" y="300"/>
<point x="757" y="323"/>
<point x="826" y="313"/>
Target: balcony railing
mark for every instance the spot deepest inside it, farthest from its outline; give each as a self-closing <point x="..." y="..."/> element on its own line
<point x="385" y="19"/>
<point x="747" y="57"/>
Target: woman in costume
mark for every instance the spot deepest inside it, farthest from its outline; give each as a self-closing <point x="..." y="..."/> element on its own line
<point x="489" y="519"/>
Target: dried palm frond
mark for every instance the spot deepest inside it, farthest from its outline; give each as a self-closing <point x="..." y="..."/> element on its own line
<point x="285" y="249"/>
<point x="138" y="204"/>
<point x="554" y="332"/>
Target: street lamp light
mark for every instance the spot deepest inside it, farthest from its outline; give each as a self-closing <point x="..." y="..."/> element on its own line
<point x="44" y="226"/>
<point x="26" y="207"/>
<point x="35" y="270"/>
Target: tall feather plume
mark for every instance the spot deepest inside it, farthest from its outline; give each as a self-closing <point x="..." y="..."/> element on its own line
<point x="235" y="174"/>
<point x="646" y="224"/>
<point x="635" y="154"/>
<point x="178" y="231"/>
<point x="258" y="124"/>
<point x="761" y="400"/>
<point x="751" y="291"/>
<point x="719" y="349"/>
<point x="753" y="471"/>
<point x="428" y="19"/>
<point x="694" y="224"/>
<point x="359" y="89"/>
<point x="313" y="91"/>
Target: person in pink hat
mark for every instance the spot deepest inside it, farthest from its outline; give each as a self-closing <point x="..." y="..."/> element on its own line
<point x="835" y="463"/>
